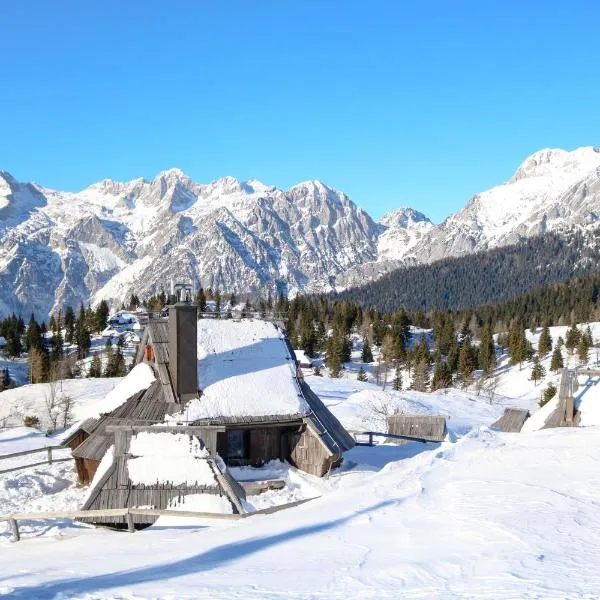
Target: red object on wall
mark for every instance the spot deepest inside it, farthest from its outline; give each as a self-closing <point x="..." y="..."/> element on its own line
<point x="149" y="353"/>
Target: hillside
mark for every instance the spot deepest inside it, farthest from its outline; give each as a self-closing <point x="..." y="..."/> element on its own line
<point x="484" y="277"/>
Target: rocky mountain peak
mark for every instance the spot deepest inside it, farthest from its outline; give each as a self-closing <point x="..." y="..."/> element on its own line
<point x="556" y="161"/>
<point x="403" y="218"/>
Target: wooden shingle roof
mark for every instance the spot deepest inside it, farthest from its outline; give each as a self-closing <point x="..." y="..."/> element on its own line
<point x="512" y="420"/>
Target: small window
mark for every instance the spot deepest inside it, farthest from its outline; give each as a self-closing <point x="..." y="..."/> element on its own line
<point x="237" y="443"/>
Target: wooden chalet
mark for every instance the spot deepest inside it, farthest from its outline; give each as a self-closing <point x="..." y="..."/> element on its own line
<point x="244" y="401"/>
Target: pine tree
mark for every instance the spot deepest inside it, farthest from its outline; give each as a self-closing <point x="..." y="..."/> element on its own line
<point x="362" y="376"/>
<point x="557" y="360"/>
<point x="334" y="364"/>
<point x="201" y="301"/>
<point x="33" y="336"/>
<point x="583" y="349"/>
<point x="442" y="376"/>
<point x="453" y="356"/>
<point x="101" y="316"/>
<point x="69" y="321"/>
<point x="538" y="371"/>
<point x="466" y="361"/>
<point x="547" y="394"/>
<point x="57" y="351"/>
<point x="421" y="351"/>
<point x="588" y="336"/>
<point x="334" y="353"/>
<point x="545" y="342"/>
<point x="420" y="381"/>
<point x="95" y="369"/>
<point x="82" y="334"/>
<point x="487" y="351"/>
<point x="572" y="339"/>
<point x="366" y="355"/>
<point x="397" y="382"/>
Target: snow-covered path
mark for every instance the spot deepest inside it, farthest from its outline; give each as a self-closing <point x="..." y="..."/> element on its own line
<point x="492" y="516"/>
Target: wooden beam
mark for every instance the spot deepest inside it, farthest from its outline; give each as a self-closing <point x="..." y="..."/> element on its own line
<point x="26" y="452"/>
<point x="130" y="525"/>
<point x="37" y="464"/>
<point x="589" y="372"/>
<point x="189" y="429"/>
<point x="14" y="527"/>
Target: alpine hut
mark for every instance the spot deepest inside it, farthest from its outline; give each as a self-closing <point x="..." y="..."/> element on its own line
<point x="231" y="388"/>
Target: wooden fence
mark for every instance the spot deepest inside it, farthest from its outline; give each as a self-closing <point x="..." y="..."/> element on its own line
<point x="128" y="513"/>
<point x="49" y="458"/>
<point x="373" y="434"/>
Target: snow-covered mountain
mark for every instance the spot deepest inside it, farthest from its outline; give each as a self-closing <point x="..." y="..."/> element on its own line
<point x="552" y="190"/>
<point x="402" y="229"/>
<point x="115" y="238"/>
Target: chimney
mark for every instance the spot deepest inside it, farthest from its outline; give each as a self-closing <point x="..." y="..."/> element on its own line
<point x="183" y="343"/>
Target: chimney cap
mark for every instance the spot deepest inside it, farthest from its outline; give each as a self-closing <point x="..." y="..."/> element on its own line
<point x="183" y="293"/>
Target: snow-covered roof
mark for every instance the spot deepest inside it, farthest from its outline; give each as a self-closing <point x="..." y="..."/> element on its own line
<point x="162" y="457"/>
<point x="302" y="357"/>
<point x="245" y="369"/>
<point x="140" y="378"/>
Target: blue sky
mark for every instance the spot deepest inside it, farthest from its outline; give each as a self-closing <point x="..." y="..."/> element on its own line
<point x="396" y="103"/>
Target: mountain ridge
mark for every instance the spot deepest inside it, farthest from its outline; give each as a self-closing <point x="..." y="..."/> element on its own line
<point x="114" y="238"/>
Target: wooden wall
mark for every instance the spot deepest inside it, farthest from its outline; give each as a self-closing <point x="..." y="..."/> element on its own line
<point x="298" y="445"/>
<point x="86" y="469"/>
<point x="309" y="454"/>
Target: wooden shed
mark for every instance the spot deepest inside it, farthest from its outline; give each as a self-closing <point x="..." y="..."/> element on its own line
<point x="512" y="420"/>
<point x="427" y="427"/>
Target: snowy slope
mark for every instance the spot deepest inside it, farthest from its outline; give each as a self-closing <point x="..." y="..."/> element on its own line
<point x="465" y="520"/>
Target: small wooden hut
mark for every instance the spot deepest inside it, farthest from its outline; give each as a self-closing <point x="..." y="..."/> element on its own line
<point x="512" y="420"/>
<point x="426" y="427"/>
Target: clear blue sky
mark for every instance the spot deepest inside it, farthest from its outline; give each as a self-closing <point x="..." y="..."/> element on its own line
<point x="419" y="103"/>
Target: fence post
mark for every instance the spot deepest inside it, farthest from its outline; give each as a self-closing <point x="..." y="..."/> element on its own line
<point x="49" y="455"/>
<point x="14" y="527"/>
<point x="130" y="525"/>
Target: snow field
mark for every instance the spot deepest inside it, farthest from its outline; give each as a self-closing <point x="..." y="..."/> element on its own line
<point x="465" y="520"/>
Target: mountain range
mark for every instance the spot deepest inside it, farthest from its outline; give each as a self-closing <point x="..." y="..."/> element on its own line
<point x="115" y="238"/>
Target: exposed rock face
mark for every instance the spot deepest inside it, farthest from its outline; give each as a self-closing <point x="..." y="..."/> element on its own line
<point x="115" y="238"/>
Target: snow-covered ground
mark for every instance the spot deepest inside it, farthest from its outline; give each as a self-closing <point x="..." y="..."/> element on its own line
<point x="26" y="400"/>
<point x="482" y="515"/>
<point x="472" y="519"/>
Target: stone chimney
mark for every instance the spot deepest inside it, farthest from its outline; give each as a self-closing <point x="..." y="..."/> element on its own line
<point x="183" y="344"/>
